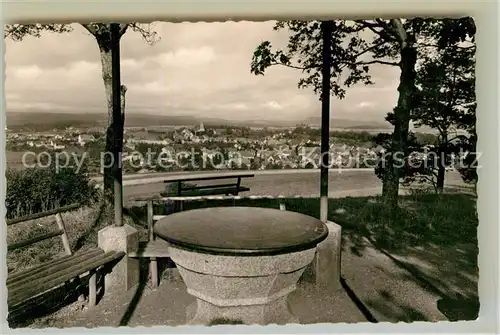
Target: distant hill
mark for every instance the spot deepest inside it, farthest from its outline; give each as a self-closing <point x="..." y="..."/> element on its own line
<point x="39" y="121"/>
<point x="47" y="121"/>
<point x="349" y="124"/>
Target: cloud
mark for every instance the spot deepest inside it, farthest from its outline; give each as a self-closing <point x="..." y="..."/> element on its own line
<point x="365" y="104"/>
<point x="196" y="69"/>
<point x="185" y="57"/>
<point x="273" y="105"/>
<point x="31" y="72"/>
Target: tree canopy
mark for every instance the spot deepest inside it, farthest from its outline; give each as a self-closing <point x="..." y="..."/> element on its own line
<point x="357" y="45"/>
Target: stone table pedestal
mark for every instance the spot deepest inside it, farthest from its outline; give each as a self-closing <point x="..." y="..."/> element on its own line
<point x="241" y="262"/>
<point x="239" y="289"/>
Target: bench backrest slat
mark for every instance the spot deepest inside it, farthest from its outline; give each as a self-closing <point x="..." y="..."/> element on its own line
<point x="60" y="232"/>
<point x="176" y="180"/>
<point x="39" y="238"/>
<point x="42" y="214"/>
<point x="181" y="188"/>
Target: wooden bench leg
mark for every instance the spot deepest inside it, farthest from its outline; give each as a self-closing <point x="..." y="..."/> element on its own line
<point x="153" y="269"/>
<point x="76" y="284"/>
<point x="93" y="288"/>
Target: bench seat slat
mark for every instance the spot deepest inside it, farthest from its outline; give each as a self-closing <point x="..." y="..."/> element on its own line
<point x="74" y="263"/>
<point x="156" y="248"/>
<point x="51" y="267"/>
<point x="42" y="285"/>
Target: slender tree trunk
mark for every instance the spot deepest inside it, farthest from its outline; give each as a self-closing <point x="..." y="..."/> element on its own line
<point x="384" y="188"/>
<point x="440" y="178"/>
<point x="441" y="171"/>
<point x="114" y="134"/>
<point x="441" y="164"/>
<point x="106" y="157"/>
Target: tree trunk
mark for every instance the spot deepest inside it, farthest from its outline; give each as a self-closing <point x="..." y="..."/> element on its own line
<point x="401" y="127"/>
<point x="441" y="164"/>
<point x="114" y="133"/>
<point x="440" y="178"/>
<point x="105" y="52"/>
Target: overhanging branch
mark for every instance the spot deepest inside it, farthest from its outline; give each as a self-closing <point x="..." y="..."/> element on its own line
<point x="427" y="45"/>
<point x="295" y="67"/>
<point x="382" y="33"/>
<point x="123" y="29"/>
<point x="378" y="62"/>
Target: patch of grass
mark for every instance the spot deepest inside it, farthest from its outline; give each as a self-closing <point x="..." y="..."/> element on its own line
<point x="423" y="218"/>
<point x="34" y="190"/>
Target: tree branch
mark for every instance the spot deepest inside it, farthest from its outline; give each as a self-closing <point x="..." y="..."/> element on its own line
<point x="123" y="28"/>
<point x="370" y="48"/>
<point x="148" y="34"/>
<point x="385" y="25"/>
<point x="295" y="67"/>
<point x="91" y="28"/>
<point x="400" y="32"/>
<point x="378" y="62"/>
<point x="344" y="64"/>
<point x="382" y="33"/>
<point x="427" y="45"/>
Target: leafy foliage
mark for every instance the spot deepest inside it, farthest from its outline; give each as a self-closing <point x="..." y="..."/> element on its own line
<point x="350" y="53"/>
<point x="18" y="32"/>
<point x="37" y="189"/>
<point x="101" y="31"/>
<point x="446" y="99"/>
<point x="355" y="45"/>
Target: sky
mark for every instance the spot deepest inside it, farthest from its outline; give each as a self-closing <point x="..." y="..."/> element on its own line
<point x="196" y="69"/>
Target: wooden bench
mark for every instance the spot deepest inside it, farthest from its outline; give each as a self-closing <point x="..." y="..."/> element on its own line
<point x="27" y="284"/>
<point x="215" y="189"/>
<point x="153" y="248"/>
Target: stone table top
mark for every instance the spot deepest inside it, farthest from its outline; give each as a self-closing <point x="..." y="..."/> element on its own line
<point x="251" y="231"/>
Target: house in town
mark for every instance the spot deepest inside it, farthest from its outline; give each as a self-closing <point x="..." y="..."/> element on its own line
<point x="55" y="146"/>
<point x="310" y="155"/>
<point x="200" y="129"/>
<point x="167" y="155"/>
<point x="85" y="138"/>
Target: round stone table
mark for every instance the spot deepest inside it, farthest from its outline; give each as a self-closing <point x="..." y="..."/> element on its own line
<point x="241" y="262"/>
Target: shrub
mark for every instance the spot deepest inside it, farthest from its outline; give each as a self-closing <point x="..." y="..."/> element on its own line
<point x="34" y="190"/>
